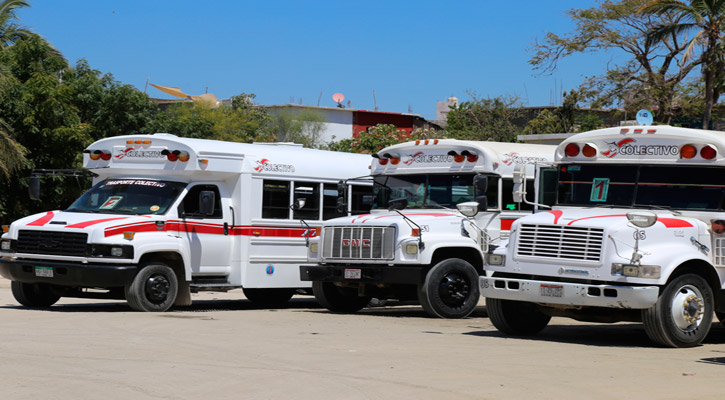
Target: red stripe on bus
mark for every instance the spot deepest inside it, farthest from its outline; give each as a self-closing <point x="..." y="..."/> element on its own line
<point x="42" y="220"/>
<point x="215" y="229"/>
<point x="94" y="222"/>
<point x="674" y="223"/>
<point x="557" y="215"/>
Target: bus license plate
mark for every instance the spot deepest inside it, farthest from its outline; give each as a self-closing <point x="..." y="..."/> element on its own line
<point x="551" y="290"/>
<point x="352" y="274"/>
<point x="46" y="272"/>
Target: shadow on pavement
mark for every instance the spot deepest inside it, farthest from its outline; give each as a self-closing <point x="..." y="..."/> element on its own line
<point x="302" y="302"/>
<point x="604" y="335"/>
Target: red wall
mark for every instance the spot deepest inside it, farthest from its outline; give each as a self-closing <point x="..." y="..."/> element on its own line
<point x="362" y="120"/>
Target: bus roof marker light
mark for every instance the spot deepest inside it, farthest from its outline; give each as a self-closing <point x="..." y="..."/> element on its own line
<point x="708" y="152"/>
<point x="589" y="150"/>
<point x="571" y="150"/>
<point x="688" y="151"/>
<point x="471" y="156"/>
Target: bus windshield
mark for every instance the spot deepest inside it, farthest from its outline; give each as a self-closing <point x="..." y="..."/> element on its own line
<point x="667" y="186"/>
<point x="429" y="190"/>
<point x="128" y="196"/>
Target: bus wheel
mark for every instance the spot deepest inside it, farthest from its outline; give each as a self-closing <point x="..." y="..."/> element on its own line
<point x="338" y="299"/>
<point x="682" y="315"/>
<point x="516" y="317"/>
<point x="450" y="289"/>
<point x="269" y="298"/>
<point x="153" y="289"/>
<point x="36" y="295"/>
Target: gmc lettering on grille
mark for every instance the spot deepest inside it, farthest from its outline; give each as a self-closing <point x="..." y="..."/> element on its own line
<point x="355" y="243"/>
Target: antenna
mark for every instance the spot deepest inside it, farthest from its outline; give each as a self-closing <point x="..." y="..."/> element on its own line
<point x="375" y="100"/>
<point x="318" y="99"/>
<point x="147" y="84"/>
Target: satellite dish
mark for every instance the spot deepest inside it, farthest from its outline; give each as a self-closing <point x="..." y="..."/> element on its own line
<point x="338" y="98"/>
<point x="645" y="117"/>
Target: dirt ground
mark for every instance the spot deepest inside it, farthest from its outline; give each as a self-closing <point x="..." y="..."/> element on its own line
<point x="224" y="348"/>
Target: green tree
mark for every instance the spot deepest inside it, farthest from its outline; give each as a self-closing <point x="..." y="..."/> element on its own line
<point x="653" y="71"/>
<point x="242" y="122"/>
<point x="298" y="126"/>
<point x="485" y="119"/>
<point x="380" y="136"/>
<point x="706" y="18"/>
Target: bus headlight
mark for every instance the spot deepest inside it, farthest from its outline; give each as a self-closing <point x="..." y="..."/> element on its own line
<point x="637" y="271"/>
<point x="112" y="251"/>
<point x="411" y="248"/>
<point x="314" y="247"/>
<point x="495" y="259"/>
<point x="5" y="245"/>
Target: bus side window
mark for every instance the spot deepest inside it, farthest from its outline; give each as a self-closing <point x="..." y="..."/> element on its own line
<point x="310" y="192"/>
<point x="275" y="199"/>
<point x="508" y="197"/>
<point x="548" y="186"/>
<point x="189" y="208"/>
<point x="492" y="192"/>
<point x="329" y="202"/>
<point x="362" y="199"/>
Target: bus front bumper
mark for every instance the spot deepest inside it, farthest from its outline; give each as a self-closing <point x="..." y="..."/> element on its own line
<point x="574" y="294"/>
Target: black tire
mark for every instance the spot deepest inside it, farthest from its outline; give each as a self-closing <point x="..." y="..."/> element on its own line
<point x="450" y="289"/>
<point x="269" y="298"/>
<point x="682" y="315"/>
<point x="154" y="288"/>
<point x="35" y="295"/>
<point x="338" y="299"/>
<point x="516" y="318"/>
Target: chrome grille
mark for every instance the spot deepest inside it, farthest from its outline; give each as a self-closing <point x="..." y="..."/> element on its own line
<point x="560" y="242"/>
<point x="358" y="243"/>
<point x="719" y="252"/>
<point x="52" y="243"/>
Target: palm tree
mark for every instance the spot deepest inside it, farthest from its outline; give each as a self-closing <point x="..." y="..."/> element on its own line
<point x="707" y="19"/>
<point x="12" y="154"/>
<point x="10" y="31"/>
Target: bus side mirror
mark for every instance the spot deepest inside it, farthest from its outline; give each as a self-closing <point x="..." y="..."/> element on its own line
<point x="34" y="188"/>
<point x="519" y="177"/>
<point x="299" y="203"/>
<point x="397" y="204"/>
<point x="207" y="199"/>
<point x="480" y="183"/>
<point x="482" y="203"/>
<point x="341" y="197"/>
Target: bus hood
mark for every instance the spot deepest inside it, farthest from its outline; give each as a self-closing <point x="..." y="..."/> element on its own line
<point x="425" y="219"/>
<point x="97" y="226"/>
<point x="601" y="218"/>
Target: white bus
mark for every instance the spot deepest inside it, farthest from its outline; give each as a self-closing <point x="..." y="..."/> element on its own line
<point x="168" y="216"/>
<point x="438" y="205"/>
<point x="637" y="234"/>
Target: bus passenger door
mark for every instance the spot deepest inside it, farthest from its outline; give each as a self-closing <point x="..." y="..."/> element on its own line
<point x="206" y="225"/>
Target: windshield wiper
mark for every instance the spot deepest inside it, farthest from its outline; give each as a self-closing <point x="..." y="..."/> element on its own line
<point x="434" y="205"/>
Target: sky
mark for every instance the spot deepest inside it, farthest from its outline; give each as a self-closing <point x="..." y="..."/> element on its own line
<point x="402" y="55"/>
